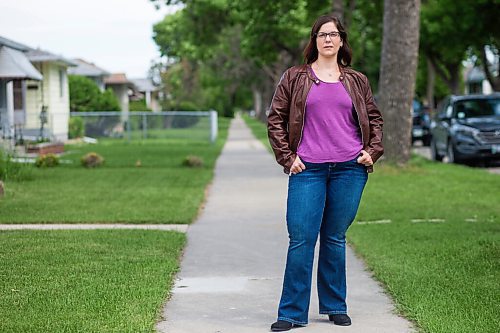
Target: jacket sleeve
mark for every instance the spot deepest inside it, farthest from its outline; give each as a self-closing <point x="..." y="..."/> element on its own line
<point x="277" y="123"/>
<point x="375" y="147"/>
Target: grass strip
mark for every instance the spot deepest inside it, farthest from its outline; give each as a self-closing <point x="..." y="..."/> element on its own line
<point x="85" y="281"/>
<point x="438" y="248"/>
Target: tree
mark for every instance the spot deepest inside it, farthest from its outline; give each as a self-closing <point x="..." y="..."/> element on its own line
<point x="397" y="75"/>
<point x="84" y="95"/>
<point x="248" y="44"/>
<point x="450" y="28"/>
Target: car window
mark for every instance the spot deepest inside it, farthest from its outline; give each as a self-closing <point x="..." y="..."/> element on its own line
<point x="442" y="108"/>
<point x="476" y="108"/>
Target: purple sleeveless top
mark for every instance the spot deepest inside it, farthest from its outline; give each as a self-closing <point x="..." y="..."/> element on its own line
<point x="331" y="131"/>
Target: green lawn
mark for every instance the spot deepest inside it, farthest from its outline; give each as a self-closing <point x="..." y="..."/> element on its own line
<point x="161" y="190"/>
<point x="430" y="232"/>
<point x="443" y="267"/>
<point x="85" y="281"/>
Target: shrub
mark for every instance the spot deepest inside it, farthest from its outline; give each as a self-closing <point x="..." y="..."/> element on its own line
<point x="92" y="160"/>
<point x="76" y="127"/>
<point x="47" y="161"/>
<point x="193" y="161"/>
<point x="84" y="95"/>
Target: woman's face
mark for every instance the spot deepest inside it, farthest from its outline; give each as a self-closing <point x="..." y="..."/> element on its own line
<point x="328" y="45"/>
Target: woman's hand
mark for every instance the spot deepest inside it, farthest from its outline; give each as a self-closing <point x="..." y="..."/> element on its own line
<point x="297" y="166"/>
<point x="365" y="158"/>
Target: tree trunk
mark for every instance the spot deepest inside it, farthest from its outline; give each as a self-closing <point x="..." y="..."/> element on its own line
<point x="431" y="82"/>
<point x="338" y="9"/>
<point x="398" y="72"/>
<point x="493" y="80"/>
<point x="257" y="101"/>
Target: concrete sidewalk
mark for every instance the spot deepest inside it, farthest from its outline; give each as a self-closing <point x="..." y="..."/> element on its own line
<point x="232" y="270"/>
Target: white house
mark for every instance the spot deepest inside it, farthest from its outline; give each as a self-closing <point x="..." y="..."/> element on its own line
<point x="51" y="94"/>
<point x="33" y="86"/>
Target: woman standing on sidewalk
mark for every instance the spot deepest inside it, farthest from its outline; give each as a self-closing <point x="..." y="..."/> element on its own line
<point x="326" y="131"/>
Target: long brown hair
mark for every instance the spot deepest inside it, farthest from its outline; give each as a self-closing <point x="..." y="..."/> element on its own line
<point x="344" y="55"/>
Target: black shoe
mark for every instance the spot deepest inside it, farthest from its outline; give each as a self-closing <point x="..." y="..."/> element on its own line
<point x="281" y="326"/>
<point x="340" y="319"/>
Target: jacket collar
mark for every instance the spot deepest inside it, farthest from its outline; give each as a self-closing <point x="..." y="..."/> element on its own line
<point x="308" y="69"/>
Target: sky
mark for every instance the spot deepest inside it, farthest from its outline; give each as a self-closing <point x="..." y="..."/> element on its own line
<point x="116" y="35"/>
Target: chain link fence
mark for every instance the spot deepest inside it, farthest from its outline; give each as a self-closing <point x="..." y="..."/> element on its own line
<point x="200" y="125"/>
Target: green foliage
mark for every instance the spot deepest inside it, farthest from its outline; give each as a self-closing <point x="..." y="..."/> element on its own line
<point x="92" y="160"/>
<point x="47" y="161"/>
<point x="76" y="127"/>
<point x="365" y="37"/>
<point x="222" y="51"/>
<point x="10" y="170"/>
<point x="84" y="95"/>
<point x="108" y="101"/>
<point x="449" y="28"/>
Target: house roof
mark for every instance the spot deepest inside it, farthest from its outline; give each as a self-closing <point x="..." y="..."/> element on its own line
<point x="117" y="78"/>
<point x="86" y="68"/>
<point x="38" y="55"/>
<point x="13" y="45"/>
<point x="144" y="85"/>
<point x="15" y="65"/>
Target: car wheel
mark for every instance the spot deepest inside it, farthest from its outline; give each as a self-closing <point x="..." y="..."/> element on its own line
<point x="451" y="153"/>
<point x="426" y="141"/>
<point x="434" y="153"/>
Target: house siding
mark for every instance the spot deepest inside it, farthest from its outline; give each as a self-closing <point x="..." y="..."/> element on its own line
<point x="57" y="103"/>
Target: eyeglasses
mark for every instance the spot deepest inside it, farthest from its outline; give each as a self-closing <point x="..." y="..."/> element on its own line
<point x="332" y="35"/>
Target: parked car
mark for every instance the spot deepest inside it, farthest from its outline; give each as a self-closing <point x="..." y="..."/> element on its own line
<point x="420" y="124"/>
<point x="467" y="128"/>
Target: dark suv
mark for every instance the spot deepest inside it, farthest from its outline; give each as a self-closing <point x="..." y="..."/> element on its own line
<point x="467" y="128"/>
<point x="420" y="124"/>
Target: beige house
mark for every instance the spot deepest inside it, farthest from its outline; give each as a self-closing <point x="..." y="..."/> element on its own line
<point x="120" y="85"/>
<point x="51" y="95"/>
<point x="33" y="87"/>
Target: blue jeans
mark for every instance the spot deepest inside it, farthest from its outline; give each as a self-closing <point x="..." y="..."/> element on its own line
<point x="323" y="199"/>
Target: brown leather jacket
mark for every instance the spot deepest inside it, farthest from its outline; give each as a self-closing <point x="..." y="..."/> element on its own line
<point x="286" y="114"/>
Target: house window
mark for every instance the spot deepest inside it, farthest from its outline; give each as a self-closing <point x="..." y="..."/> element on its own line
<point x="18" y="95"/>
<point x="62" y="82"/>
